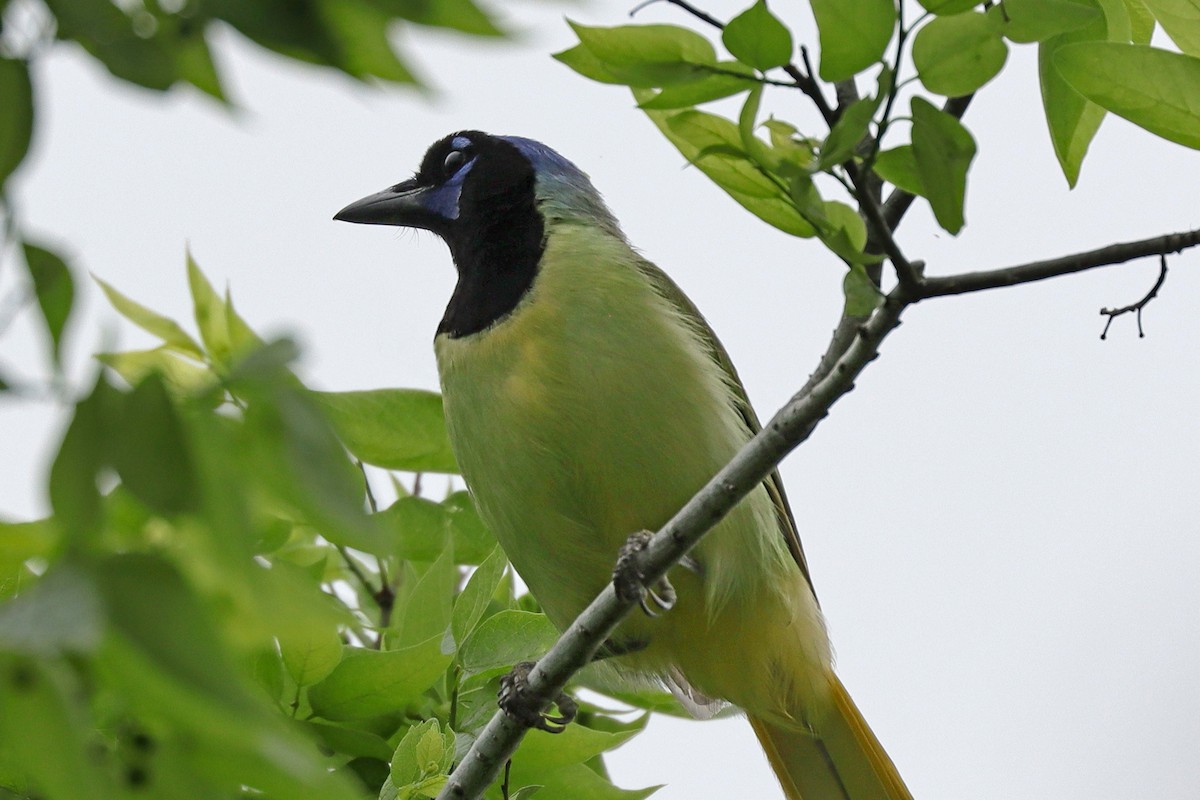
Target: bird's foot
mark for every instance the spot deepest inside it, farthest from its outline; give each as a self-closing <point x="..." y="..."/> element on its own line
<point x="514" y="700"/>
<point x="630" y="582"/>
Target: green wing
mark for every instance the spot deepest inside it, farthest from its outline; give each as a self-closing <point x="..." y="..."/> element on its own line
<point x="774" y="484"/>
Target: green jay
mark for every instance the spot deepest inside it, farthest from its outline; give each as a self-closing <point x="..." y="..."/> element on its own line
<point x="586" y="399"/>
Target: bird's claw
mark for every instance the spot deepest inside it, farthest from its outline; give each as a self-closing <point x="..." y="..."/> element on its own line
<point x="514" y="700"/>
<point x="630" y="582"/>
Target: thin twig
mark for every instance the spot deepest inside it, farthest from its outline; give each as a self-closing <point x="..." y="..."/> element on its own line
<point x="1053" y="267"/>
<point x="1113" y="313"/>
<point x="804" y="80"/>
<point x="686" y="6"/>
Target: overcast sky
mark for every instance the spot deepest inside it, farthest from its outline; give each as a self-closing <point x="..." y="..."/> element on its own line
<point x="1001" y="521"/>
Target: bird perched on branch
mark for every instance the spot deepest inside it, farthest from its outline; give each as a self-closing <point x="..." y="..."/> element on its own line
<point x="587" y="399"/>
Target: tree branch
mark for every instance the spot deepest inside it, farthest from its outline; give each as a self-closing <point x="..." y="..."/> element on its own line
<point x="1052" y="268"/>
<point x="752" y="464"/>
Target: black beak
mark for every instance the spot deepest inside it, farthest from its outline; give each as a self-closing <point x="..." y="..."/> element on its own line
<point x="402" y="205"/>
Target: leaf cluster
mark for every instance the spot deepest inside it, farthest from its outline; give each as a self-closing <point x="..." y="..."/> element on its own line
<point x="216" y="608"/>
<point x="1094" y="57"/>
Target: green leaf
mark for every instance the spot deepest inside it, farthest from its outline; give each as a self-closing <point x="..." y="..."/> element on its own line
<point x="21" y="541"/>
<point x="152" y="322"/>
<point x="309" y="655"/>
<point x="109" y="34"/>
<point x="471" y="538"/>
<point x="648" y="55"/>
<point x="55" y="290"/>
<point x="361" y="31"/>
<point x="955" y="55"/>
<point x="459" y="15"/>
<point x="506" y="638"/>
<point x="368" y="683"/>
<point x="1073" y="120"/>
<point x="758" y="39"/>
<point x="1155" y="89"/>
<point x="209" y="310"/>
<point x="577" y="782"/>
<point x="16" y="123"/>
<point x="425" y="603"/>
<point x="853" y="33"/>
<point x="575" y="745"/>
<point x="1037" y="20"/>
<point x="400" y="429"/>
<point x="473" y="601"/>
<point x="195" y="63"/>
<point x="152" y="605"/>
<point x="425" y="751"/>
<point x="59" y="614"/>
<point x="713" y="86"/>
<point x="694" y="132"/>
<point x="1142" y="23"/>
<point x="898" y="167"/>
<point x="751" y="144"/>
<point x="941" y="7"/>
<point x="44" y="731"/>
<point x="847" y="132"/>
<point x="845" y="233"/>
<point x="1181" y="20"/>
<point x="150" y="450"/>
<point x="74" y="495"/>
<point x="351" y="741"/>
<point x="183" y="377"/>
<point x="943" y="150"/>
<point x="416" y="529"/>
<point x="230" y="745"/>
<point x="583" y="61"/>
<point x="862" y="296"/>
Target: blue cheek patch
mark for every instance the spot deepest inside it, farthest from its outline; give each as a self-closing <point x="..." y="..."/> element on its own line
<point x="443" y="200"/>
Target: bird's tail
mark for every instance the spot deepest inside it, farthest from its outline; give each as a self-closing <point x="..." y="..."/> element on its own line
<point x="841" y="761"/>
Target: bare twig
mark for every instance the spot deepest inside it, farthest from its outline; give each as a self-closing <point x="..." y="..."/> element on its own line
<point x="686" y="6"/>
<point x="808" y="84"/>
<point x="1113" y="313"/>
<point x="1053" y="267"/>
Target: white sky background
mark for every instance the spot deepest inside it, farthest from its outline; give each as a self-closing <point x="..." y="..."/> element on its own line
<point x="1001" y="520"/>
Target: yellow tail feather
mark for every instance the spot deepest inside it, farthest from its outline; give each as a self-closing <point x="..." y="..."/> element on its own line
<point x="841" y="761"/>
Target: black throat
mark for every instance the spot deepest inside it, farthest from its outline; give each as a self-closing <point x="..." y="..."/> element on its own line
<point x="497" y="240"/>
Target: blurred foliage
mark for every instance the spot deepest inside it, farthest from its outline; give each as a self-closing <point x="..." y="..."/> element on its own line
<point x="161" y="44"/>
<point x="215" y="609"/>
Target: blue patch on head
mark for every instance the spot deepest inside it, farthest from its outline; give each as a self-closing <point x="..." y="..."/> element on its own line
<point x="460" y="143"/>
<point x="443" y="200"/>
<point x="564" y="191"/>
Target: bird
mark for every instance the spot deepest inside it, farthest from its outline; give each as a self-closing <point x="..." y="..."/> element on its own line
<point x="586" y="399"/>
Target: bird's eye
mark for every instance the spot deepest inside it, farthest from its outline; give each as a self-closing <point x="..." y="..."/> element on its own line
<point x="454" y="160"/>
